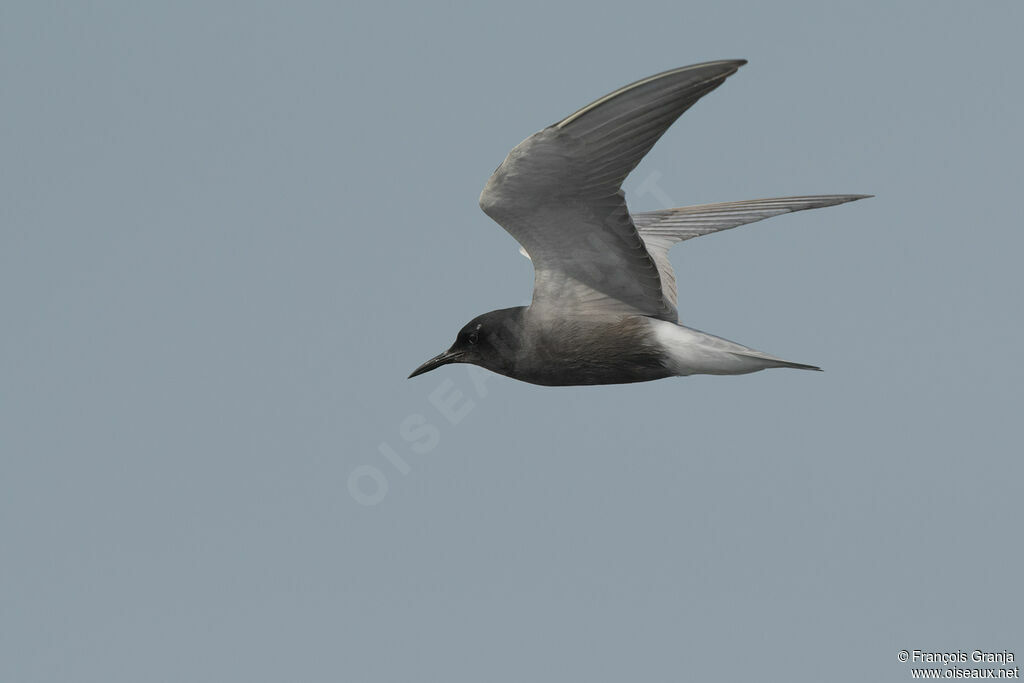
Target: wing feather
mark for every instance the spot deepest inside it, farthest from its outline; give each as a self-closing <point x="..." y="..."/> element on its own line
<point x="558" y="193"/>
<point x="662" y="229"/>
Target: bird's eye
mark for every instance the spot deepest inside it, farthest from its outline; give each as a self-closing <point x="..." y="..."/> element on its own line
<point x="473" y="337"/>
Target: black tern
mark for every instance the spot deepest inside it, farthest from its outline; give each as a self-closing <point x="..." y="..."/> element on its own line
<point x="604" y="293"/>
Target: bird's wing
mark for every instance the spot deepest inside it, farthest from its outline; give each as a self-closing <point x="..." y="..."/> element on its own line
<point x="558" y="194"/>
<point x="661" y="229"/>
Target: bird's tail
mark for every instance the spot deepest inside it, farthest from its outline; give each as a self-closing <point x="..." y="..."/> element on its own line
<point x="773" y="362"/>
<point x="800" y="366"/>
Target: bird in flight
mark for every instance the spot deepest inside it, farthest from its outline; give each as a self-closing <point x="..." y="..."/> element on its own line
<point x="604" y="293"/>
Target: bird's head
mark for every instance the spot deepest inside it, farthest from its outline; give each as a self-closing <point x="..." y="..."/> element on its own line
<point x="490" y="340"/>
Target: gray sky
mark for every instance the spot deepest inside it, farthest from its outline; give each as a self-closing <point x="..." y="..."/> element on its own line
<point x="231" y="230"/>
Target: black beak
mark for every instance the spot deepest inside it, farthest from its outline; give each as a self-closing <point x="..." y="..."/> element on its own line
<point x="437" y="361"/>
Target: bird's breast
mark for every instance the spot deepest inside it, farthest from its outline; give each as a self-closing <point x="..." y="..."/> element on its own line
<point x="573" y="351"/>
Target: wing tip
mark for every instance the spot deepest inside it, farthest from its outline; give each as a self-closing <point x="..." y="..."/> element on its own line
<point x="731" y="66"/>
<point x="844" y="198"/>
<point x="824" y="200"/>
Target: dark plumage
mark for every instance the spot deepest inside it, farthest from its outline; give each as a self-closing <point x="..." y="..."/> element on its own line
<point x="604" y="298"/>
